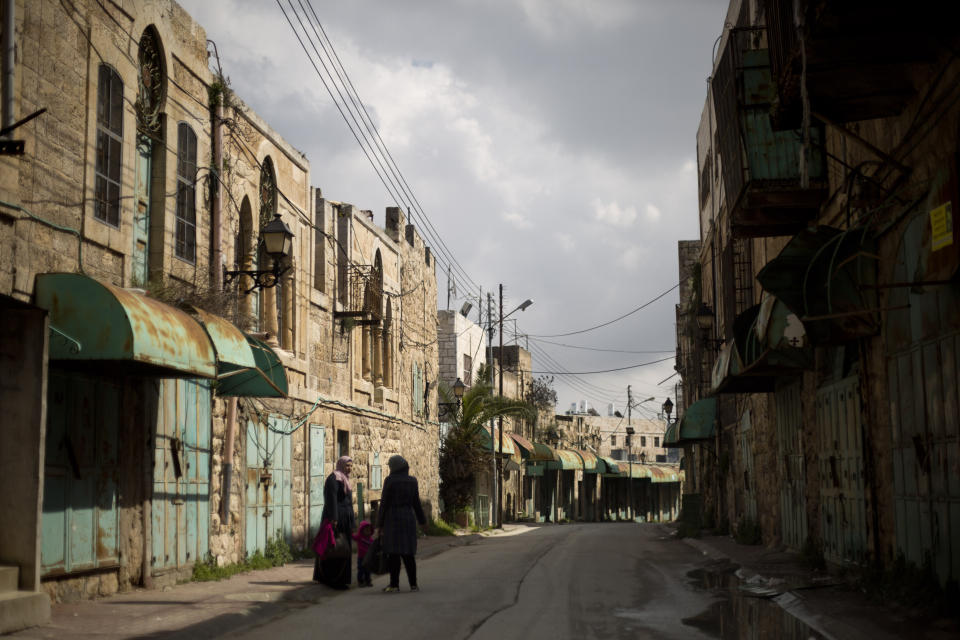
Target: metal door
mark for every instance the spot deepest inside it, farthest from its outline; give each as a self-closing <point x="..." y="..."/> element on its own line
<point x="269" y="482"/>
<point x="746" y="457"/>
<point x="790" y="467"/>
<point x="924" y="418"/>
<point x="317" y="475"/>
<point x="79" y="523"/>
<point x="181" y="474"/>
<point x="843" y="521"/>
<point x="141" y="210"/>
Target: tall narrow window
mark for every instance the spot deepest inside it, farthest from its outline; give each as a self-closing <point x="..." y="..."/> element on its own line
<point x="109" y="143"/>
<point x="467" y="370"/>
<point x="319" y="250"/>
<point x="186" y="234"/>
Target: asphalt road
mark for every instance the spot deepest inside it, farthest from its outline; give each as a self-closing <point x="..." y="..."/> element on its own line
<point x="604" y="580"/>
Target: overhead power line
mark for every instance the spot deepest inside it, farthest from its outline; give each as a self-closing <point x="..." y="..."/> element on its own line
<point x="342" y="91"/>
<point x="583" y="373"/>
<point x="617" y="319"/>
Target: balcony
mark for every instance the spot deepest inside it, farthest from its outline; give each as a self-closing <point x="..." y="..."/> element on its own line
<point x="364" y="303"/>
<point x="861" y="56"/>
<point x="773" y="183"/>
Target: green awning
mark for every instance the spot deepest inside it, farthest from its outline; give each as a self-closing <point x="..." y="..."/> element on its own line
<point x="543" y="453"/>
<point x="526" y="448"/>
<point x="670" y="437"/>
<point x="663" y="473"/>
<point x="566" y="460"/>
<point x="508" y="448"/>
<point x="108" y="324"/>
<point x="267" y="379"/>
<point x="699" y="422"/>
<point x="235" y="359"/>
<point x="635" y="470"/>
<point x="612" y="467"/>
<point x="826" y="276"/>
<point x="589" y="461"/>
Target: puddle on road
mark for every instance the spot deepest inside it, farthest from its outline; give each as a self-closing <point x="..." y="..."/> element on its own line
<point x="736" y="616"/>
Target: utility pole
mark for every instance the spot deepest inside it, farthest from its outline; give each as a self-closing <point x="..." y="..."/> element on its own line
<point x="500" y="435"/>
<point x="493" y="443"/>
<point x="633" y="515"/>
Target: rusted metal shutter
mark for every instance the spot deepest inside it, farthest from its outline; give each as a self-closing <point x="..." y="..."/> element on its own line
<point x="790" y="465"/>
<point x="180" y="505"/>
<point x="269" y="482"/>
<point x="926" y="455"/>
<point x="842" y="506"/>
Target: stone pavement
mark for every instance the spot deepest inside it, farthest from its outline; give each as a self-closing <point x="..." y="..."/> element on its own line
<point x="209" y="609"/>
<point x="825" y="604"/>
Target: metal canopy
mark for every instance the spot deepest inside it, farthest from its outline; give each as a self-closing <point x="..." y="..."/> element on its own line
<point x="544" y="453"/>
<point x="828" y="278"/>
<point x="661" y="474"/>
<point x="566" y="460"/>
<point x="670" y="437"/>
<point x="525" y="446"/>
<point x="109" y="324"/>
<point x="612" y="467"/>
<point x="769" y="342"/>
<point x="590" y="461"/>
<point x="267" y="379"/>
<point x="238" y="371"/>
<point x="699" y="422"/>
<point x="508" y="448"/>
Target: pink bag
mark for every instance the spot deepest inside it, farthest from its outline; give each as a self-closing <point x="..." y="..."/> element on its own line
<point x="325" y="538"/>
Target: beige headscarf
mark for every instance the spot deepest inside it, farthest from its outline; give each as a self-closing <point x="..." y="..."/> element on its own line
<point x="341" y="471"/>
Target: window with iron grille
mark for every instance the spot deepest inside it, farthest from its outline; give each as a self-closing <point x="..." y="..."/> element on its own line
<point x="613" y="441"/>
<point x="656" y="441"/>
<point x="643" y="441"/>
<point x="706" y="178"/>
<point x="109" y="144"/>
<point x="467" y="370"/>
<point x="743" y="274"/>
<point x="186" y="232"/>
<point x="319" y="251"/>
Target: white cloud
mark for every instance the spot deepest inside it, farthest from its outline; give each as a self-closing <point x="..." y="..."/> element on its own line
<point x="631" y="257"/>
<point x="566" y="242"/>
<point x="516" y="220"/>
<point x="653" y="213"/>
<point x="613" y="214"/>
<point x="555" y="18"/>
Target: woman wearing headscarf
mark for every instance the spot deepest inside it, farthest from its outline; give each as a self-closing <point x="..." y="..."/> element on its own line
<point x="338" y="514"/>
<point x="400" y="511"/>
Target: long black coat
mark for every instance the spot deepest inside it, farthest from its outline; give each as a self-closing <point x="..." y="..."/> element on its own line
<point x="400" y="510"/>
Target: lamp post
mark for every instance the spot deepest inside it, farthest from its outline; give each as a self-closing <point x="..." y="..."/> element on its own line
<point x="630" y="432"/>
<point x="277" y="241"/>
<point x="521" y="307"/>
<point x="458" y="389"/>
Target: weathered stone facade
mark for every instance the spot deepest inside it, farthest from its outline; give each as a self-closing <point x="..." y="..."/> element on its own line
<point x="117" y="186"/>
<point x="850" y="444"/>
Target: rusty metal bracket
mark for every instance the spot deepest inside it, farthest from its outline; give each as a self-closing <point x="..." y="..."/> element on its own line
<point x="175" y="453"/>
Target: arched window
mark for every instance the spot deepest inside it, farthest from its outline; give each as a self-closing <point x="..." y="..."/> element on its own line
<point x="245" y="258"/>
<point x="186" y="232"/>
<point x="387" y="339"/>
<point x="268" y="191"/>
<point x="109" y="146"/>
<point x="152" y="84"/>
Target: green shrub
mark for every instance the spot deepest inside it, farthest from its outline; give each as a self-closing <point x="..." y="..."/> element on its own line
<point x="439" y="528"/>
<point x="277" y="553"/>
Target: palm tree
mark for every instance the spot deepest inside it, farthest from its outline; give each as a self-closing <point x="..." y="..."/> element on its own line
<point x="462" y="452"/>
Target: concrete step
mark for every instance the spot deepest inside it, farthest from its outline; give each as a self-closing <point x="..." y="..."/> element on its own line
<point x="9" y="577"/>
<point x="22" y="609"/>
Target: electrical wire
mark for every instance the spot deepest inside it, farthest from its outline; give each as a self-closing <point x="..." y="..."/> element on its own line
<point x="617" y="319"/>
<point x="583" y="373"/>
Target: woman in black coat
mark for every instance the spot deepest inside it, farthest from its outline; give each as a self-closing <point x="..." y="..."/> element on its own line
<point x="338" y="511"/>
<point x="400" y="511"/>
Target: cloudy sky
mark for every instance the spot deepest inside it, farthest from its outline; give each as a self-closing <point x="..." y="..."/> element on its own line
<point x="550" y="143"/>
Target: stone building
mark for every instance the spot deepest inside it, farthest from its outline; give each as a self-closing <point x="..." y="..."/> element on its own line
<point x="825" y="308"/>
<point x="162" y="410"/>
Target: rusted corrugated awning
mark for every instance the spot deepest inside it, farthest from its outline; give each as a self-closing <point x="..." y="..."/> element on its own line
<point x="526" y="447"/>
<point x="589" y="461"/>
<point x="508" y="448"/>
<point x="566" y="460"/>
<point x="110" y="324"/>
<point x="245" y="366"/>
<point x="543" y="453"/>
<point x="659" y="474"/>
<point x="612" y="466"/>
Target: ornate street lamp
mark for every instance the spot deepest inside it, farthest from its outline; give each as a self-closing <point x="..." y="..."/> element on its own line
<point x="458" y="389"/>
<point x="668" y="408"/>
<point x="277" y="241"/>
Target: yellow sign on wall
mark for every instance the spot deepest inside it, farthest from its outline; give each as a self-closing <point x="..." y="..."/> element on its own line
<point x="941" y="227"/>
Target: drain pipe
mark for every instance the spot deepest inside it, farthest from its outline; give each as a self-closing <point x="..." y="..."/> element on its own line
<point x="227" y="480"/>
<point x="9" y="50"/>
